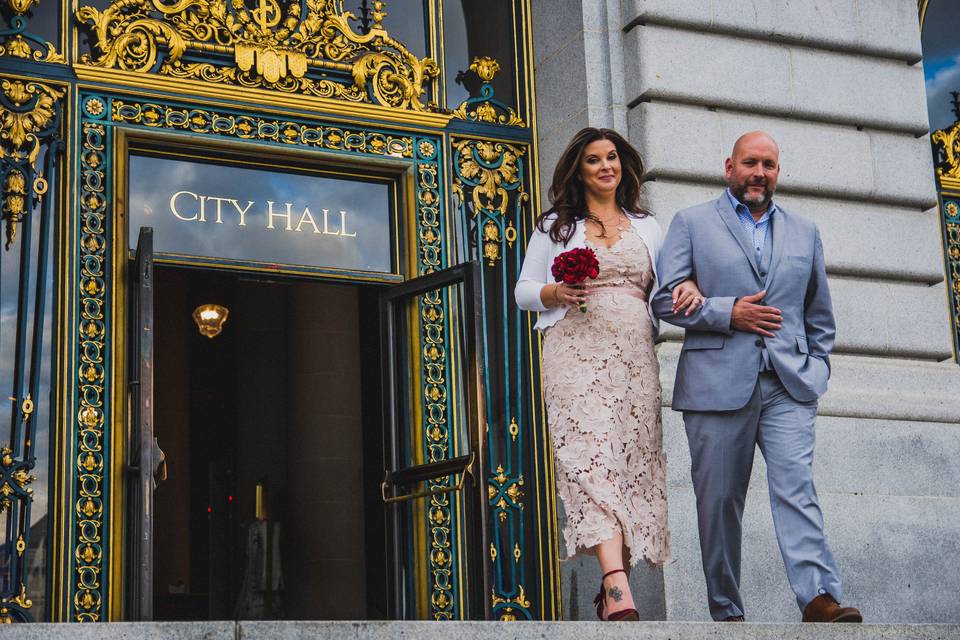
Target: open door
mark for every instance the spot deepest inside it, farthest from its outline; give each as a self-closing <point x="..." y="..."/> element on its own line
<point x="142" y="449"/>
<point x="422" y="397"/>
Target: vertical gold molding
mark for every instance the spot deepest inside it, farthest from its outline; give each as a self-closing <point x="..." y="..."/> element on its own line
<point x="547" y="525"/>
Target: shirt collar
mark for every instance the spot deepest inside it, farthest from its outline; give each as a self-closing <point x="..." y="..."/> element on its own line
<point x="743" y="210"/>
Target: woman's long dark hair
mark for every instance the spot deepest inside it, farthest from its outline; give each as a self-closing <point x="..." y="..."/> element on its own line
<point x="566" y="194"/>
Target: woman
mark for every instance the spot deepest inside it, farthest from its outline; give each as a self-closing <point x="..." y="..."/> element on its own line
<point x="600" y="372"/>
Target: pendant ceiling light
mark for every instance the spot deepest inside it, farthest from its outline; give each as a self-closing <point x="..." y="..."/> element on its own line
<point x="210" y="319"/>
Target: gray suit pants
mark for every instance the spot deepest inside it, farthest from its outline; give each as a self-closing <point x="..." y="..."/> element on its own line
<point x="722" y="445"/>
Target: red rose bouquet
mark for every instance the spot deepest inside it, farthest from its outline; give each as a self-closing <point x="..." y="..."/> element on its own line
<point x="575" y="266"/>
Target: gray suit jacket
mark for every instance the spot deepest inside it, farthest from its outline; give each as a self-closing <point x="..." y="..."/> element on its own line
<point x="719" y="366"/>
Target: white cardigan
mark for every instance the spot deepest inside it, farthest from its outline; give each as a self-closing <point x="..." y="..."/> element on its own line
<point x="541" y="252"/>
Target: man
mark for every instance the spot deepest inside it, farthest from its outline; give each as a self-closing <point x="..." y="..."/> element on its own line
<point x="754" y="362"/>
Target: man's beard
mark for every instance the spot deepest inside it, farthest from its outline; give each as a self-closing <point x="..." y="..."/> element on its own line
<point x="740" y="192"/>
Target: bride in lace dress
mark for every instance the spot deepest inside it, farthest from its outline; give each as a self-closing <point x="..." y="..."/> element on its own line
<point x="601" y="378"/>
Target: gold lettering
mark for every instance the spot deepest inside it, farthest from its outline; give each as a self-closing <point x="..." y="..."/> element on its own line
<point x="219" y="219"/>
<point x="203" y="208"/>
<point x="271" y="214"/>
<point x="173" y="205"/>
<point x="307" y="217"/>
<point x="242" y="212"/>
<point x="343" y="226"/>
<point x="326" y="227"/>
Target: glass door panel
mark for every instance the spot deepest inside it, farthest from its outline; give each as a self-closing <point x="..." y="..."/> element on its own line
<point x="142" y="450"/>
<point x="435" y="444"/>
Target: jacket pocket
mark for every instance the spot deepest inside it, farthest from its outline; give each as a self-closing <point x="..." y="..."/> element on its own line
<point x="700" y="340"/>
<point x="802" y="345"/>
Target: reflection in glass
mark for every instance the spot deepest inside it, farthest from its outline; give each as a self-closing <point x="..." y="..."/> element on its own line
<point x="15" y="317"/>
<point x="478" y="29"/>
<point x="256" y="215"/>
<point x="941" y="60"/>
<point x="42" y="20"/>
<point x="406" y="22"/>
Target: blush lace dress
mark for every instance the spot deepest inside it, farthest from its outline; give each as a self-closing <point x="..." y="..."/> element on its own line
<point x="602" y="390"/>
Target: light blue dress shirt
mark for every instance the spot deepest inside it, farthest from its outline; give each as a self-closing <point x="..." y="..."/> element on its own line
<point x="756" y="229"/>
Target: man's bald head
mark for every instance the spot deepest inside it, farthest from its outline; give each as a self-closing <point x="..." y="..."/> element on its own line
<point x="752" y="170"/>
<point x="755" y="138"/>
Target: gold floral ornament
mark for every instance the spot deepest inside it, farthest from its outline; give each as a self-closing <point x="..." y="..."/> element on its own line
<point x="305" y="46"/>
<point x="486" y="108"/>
<point x="487" y="173"/>
<point x="947" y="148"/>
<point x="490" y="167"/>
<point x="28" y="113"/>
<point x="507" y="612"/>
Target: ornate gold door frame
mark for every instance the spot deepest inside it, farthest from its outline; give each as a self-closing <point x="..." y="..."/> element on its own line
<point x="91" y="535"/>
<point x="472" y="176"/>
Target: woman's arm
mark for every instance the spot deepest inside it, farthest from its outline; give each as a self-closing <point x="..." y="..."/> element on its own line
<point x="532" y="280"/>
<point x="533" y="292"/>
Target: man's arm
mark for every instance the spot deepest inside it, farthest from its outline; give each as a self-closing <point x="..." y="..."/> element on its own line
<point x="818" y="318"/>
<point x="674" y="265"/>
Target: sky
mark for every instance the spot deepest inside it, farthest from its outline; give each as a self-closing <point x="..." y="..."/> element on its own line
<point x="941" y="60"/>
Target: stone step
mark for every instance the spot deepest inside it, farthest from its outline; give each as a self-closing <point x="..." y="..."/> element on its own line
<point x="475" y="631"/>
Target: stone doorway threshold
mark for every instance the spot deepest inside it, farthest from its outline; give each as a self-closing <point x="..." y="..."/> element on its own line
<point x="474" y="631"/>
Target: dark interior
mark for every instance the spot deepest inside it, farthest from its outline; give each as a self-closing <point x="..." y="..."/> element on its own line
<point x="288" y="397"/>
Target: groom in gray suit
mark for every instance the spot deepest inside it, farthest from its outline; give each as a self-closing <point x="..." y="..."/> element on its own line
<point x="755" y="360"/>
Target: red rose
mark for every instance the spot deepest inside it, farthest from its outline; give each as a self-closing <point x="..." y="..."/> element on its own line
<point x="575" y="266"/>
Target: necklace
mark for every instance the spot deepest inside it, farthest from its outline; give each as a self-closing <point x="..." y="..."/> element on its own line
<point x="621" y="219"/>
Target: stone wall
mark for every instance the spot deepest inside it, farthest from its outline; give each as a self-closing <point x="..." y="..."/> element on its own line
<point x="840" y="86"/>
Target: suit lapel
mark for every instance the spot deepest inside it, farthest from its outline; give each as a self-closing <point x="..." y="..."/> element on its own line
<point x="729" y="217"/>
<point x="777" y="224"/>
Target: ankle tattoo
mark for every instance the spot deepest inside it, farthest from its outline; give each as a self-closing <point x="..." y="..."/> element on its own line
<point x="615" y="593"/>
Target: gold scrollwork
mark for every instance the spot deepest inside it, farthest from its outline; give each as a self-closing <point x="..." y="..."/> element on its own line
<point x="486" y="175"/>
<point x="946" y="143"/>
<point x="273" y="46"/>
<point x="20" y="600"/>
<point x="485" y="108"/>
<point x="27" y="109"/>
<point x="491" y="166"/>
<point x="520" y="601"/>
<point x="949" y="141"/>
<point x="20" y="476"/>
<point x="505" y="492"/>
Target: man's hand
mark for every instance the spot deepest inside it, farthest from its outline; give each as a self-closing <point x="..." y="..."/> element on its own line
<point x="749" y="316"/>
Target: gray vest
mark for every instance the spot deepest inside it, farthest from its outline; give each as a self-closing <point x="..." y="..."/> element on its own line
<point x="763" y="266"/>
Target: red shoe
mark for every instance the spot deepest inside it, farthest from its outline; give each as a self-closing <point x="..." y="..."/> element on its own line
<point x="624" y="615"/>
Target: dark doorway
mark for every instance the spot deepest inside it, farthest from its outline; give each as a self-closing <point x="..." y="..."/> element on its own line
<point x="287" y="397"/>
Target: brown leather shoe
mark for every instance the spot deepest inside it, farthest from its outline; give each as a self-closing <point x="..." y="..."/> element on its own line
<point x="824" y="608"/>
<point x="733" y="619"/>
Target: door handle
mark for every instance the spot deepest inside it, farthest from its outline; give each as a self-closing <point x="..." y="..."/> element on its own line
<point x="462" y="465"/>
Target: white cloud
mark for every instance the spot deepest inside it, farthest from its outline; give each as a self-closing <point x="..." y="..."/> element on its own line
<point x="938" y="95"/>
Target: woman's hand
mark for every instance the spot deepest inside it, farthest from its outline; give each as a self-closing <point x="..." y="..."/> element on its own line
<point x="686" y="297"/>
<point x="554" y="295"/>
